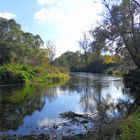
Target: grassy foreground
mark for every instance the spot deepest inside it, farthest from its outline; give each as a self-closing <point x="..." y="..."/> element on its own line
<point x="20" y="73"/>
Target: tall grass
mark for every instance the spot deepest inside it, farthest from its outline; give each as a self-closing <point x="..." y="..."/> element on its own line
<point x="130" y="129"/>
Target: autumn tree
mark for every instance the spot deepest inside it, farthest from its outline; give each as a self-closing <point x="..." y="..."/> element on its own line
<point x="123" y="26"/>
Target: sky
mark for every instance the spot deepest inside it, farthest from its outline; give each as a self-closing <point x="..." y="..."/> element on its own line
<point x="60" y="21"/>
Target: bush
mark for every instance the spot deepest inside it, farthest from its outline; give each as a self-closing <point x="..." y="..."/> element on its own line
<point x="16" y="73"/>
<point x="19" y="73"/>
<point x="130" y="129"/>
<point x="109" y="71"/>
<point x="114" y="72"/>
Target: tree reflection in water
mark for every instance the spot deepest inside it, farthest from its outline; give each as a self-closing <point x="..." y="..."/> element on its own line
<point x="102" y="95"/>
<point x="97" y="95"/>
<point x="20" y="101"/>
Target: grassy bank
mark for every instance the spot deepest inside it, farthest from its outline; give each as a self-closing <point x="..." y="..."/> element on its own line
<point x="19" y="73"/>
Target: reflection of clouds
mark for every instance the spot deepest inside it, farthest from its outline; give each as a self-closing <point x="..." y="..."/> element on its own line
<point x="48" y="122"/>
<point x="78" y="110"/>
<point x="54" y="93"/>
<point x="99" y="91"/>
<point x="95" y="91"/>
<point x="80" y="95"/>
<point x="114" y="91"/>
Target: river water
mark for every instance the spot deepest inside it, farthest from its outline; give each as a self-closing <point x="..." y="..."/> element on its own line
<point x="31" y="109"/>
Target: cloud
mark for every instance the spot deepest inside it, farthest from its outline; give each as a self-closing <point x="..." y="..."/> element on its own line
<point x="81" y="15"/>
<point x="43" y="2"/>
<point x="71" y="17"/>
<point x="51" y="14"/>
<point x="7" y="15"/>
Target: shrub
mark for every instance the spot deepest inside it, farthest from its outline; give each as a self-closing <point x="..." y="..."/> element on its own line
<point x="20" y="73"/>
<point x="130" y="129"/>
<point x="16" y="73"/>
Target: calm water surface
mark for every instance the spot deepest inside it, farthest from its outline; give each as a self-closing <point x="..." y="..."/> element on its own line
<point x="25" y="109"/>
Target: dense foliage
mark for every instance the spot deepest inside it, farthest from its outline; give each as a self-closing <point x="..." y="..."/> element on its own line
<point x="24" y="57"/>
<point x="75" y="61"/>
<point x="17" y="46"/>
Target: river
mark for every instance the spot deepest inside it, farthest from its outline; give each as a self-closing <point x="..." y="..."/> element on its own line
<point x="35" y="109"/>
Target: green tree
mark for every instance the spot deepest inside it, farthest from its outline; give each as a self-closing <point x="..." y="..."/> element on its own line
<point x="69" y="60"/>
<point x="10" y="33"/>
<point x="17" y="46"/>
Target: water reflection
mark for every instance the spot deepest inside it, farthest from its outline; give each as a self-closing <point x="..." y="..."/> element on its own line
<point x="16" y="102"/>
<point x="35" y="106"/>
<point x="97" y="92"/>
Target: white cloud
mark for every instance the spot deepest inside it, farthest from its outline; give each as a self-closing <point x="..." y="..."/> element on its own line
<point x="7" y="15"/>
<point x="73" y="17"/>
<point x="51" y="14"/>
<point x="43" y="2"/>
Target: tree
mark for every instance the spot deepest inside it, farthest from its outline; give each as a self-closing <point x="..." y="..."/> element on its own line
<point x="84" y="44"/>
<point x="10" y="33"/>
<point x="99" y="36"/>
<point x="136" y="2"/>
<point x="69" y="60"/>
<point x="17" y="45"/>
<point x="50" y="50"/>
<point x="123" y="27"/>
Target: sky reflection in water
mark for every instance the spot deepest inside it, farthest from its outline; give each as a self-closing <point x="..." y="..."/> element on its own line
<point x="26" y="109"/>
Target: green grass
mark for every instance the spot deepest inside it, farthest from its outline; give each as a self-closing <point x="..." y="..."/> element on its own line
<point x="19" y="73"/>
<point x="130" y="128"/>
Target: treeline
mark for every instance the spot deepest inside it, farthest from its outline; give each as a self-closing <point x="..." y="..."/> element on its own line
<point x="116" y="35"/>
<point x="24" y="57"/>
<point x="17" y="46"/>
<point x="75" y="62"/>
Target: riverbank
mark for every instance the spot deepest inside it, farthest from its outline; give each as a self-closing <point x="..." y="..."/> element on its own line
<point x="20" y="73"/>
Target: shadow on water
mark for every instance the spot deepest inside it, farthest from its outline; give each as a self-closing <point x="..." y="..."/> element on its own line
<point x="101" y="96"/>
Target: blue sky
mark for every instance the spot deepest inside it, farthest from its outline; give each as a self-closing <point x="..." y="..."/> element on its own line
<point x="61" y="21"/>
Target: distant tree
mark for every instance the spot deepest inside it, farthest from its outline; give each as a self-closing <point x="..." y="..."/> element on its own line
<point x="85" y="45"/>
<point x="69" y="60"/>
<point x="50" y="50"/>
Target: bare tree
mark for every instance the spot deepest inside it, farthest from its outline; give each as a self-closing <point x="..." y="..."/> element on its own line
<point x="50" y="49"/>
<point x="84" y="44"/>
